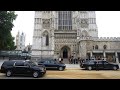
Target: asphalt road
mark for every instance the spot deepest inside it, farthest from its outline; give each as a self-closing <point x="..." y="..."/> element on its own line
<point x="73" y="73"/>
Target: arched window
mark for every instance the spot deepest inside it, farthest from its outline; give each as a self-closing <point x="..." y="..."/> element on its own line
<point x="65" y="20"/>
<point x="47" y="40"/>
<point x="96" y="47"/>
<point x="105" y="47"/>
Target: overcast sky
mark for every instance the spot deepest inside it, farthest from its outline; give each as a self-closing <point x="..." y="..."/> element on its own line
<point x="108" y="23"/>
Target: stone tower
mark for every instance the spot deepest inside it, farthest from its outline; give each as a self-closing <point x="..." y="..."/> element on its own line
<point x="20" y="41"/>
<point x="43" y="37"/>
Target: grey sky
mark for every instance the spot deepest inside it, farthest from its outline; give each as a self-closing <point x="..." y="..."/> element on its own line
<point x="108" y="23"/>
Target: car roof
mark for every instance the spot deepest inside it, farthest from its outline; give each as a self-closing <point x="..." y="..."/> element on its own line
<point x="46" y="59"/>
<point x="17" y="60"/>
<point x="95" y="60"/>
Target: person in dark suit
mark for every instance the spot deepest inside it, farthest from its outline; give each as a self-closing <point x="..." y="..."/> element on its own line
<point x="103" y="64"/>
<point x="97" y="65"/>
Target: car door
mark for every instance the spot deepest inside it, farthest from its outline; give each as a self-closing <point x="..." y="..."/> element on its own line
<point x="53" y="64"/>
<point x="18" y="68"/>
<point x="27" y="68"/>
<point x="50" y="64"/>
<point x="47" y="63"/>
<point x="100" y="65"/>
<point x="107" y="65"/>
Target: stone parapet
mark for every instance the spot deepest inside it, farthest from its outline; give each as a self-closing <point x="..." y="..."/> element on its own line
<point x="100" y="38"/>
<point x="107" y="39"/>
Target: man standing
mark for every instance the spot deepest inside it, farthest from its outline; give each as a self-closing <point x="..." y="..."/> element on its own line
<point x="59" y="60"/>
<point x="96" y="65"/>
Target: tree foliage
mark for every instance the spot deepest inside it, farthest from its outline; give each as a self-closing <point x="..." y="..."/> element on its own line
<point x="6" y="25"/>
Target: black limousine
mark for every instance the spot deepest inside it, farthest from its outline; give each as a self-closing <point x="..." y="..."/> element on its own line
<point x="52" y="64"/>
<point x="101" y="64"/>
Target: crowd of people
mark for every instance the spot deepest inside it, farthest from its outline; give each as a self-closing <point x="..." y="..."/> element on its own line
<point x="72" y="60"/>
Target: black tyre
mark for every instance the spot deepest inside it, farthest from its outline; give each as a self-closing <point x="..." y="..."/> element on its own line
<point x="114" y="68"/>
<point x="89" y="68"/>
<point x="35" y="74"/>
<point x="8" y="73"/>
<point x="61" y="68"/>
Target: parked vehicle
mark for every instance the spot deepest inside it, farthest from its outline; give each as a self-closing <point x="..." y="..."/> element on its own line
<point x="22" y="67"/>
<point x="102" y="64"/>
<point x="52" y="64"/>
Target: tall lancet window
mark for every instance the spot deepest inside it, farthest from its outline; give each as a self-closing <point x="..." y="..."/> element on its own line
<point x="47" y="40"/>
<point x="65" y="20"/>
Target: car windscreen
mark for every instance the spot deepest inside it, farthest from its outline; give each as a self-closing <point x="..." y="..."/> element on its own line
<point x="19" y="64"/>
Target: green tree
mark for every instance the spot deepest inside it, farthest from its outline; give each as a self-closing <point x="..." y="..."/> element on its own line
<point x="6" y="25"/>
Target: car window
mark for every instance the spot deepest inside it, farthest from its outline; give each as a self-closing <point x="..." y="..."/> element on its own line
<point x="8" y="63"/>
<point x="19" y="64"/>
<point x="100" y="62"/>
<point x="47" y="62"/>
<point x="106" y="62"/>
<point x="90" y="62"/>
<point x="32" y="63"/>
<point x="26" y="64"/>
<point x="52" y="62"/>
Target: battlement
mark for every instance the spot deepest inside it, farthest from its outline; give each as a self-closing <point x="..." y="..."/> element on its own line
<point x="100" y="38"/>
<point x="107" y="39"/>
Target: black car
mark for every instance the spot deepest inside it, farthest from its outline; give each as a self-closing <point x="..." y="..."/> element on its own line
<point x="22" y="67"/>
<point x="52" y="64"/>
<point x="101" y="64"/>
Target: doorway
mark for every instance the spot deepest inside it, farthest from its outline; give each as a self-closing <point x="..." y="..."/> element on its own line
<point x="65" y="53"/>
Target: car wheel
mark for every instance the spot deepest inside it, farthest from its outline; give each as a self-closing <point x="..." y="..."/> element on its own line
<point x="8" y="73"/>
<point x="35" y="74"/>
<point x="61" y="68"/>
<point x="114" y="68"/>
<point x="89" y="68"/>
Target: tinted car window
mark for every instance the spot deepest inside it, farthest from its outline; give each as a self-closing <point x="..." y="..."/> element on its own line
<point x="105" y="62"/>
<point x="8" y="63"/>
<point x="19" y="64"/>
<point x="52" y="62"/>
<point x="90" y="62"/>
<point x="47" y="61"/>
<point x="100" y="62"/>
<point x="26" y="64"/>
<point x="32" y="63"/>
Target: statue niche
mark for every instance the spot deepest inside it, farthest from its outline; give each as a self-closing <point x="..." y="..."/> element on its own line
<point x="84" y="23"/>
<point x="46" y="23"/>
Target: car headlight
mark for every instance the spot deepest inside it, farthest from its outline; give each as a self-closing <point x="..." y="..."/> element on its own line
<point x="41" y="68"/>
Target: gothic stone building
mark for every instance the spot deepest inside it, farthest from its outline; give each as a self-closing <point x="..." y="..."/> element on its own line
<point x="71" y="33"/>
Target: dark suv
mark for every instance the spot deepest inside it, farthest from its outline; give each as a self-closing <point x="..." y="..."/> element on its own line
<point x="101" y="64"/>
<point x="22" y="67"/>
<point x="52" y="64"/>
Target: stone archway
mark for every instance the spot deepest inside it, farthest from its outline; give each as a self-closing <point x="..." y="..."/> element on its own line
<point x="65" y="52"/>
